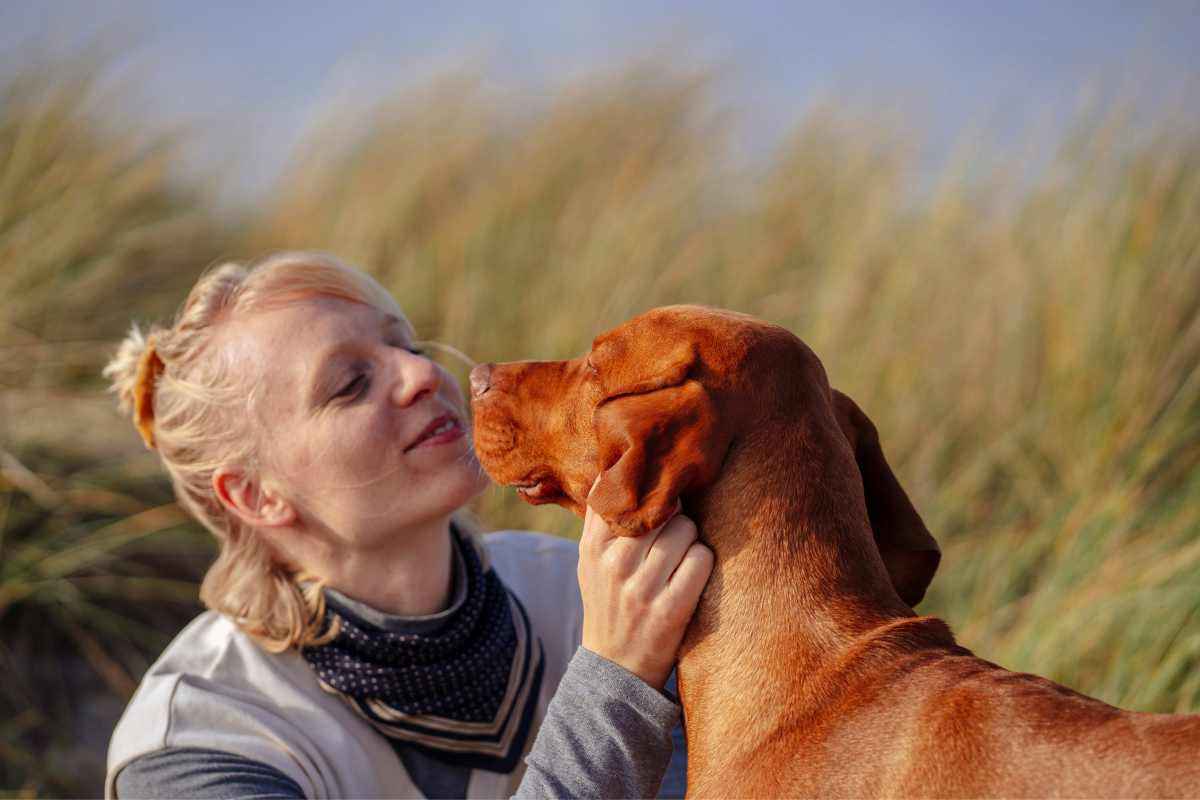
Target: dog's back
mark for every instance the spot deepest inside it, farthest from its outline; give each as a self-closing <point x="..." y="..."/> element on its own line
<point x="948" y="724"/>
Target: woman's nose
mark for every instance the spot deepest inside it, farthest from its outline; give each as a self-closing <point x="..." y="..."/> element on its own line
<point x="417" y="377"/>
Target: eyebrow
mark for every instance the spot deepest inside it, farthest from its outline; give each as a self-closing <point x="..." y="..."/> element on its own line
<point x="327" y="361"/>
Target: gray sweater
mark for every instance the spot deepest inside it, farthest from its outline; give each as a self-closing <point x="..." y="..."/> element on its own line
<point x="216" y="716"/>
<point x="607" y="734"/>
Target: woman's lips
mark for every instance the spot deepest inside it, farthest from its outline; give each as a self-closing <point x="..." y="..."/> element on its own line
<point x="442" y="430"/>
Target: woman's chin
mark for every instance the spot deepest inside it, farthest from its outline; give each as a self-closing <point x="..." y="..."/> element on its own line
<point x="467" y="482"/>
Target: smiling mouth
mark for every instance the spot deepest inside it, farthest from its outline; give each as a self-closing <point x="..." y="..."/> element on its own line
<point x="442" y="426"/>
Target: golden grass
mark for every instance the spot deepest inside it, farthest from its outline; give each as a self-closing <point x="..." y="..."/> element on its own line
<point x="1029" y="352"/>
<point x="1028" y="348"/>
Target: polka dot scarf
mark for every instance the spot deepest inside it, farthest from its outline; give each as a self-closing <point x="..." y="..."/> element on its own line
<point x="466" y="690"/>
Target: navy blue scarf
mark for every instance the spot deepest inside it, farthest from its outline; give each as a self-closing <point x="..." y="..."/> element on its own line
<point x="465" y="692"/>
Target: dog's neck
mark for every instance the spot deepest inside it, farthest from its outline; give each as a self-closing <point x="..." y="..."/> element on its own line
<point x="797" y="587"/>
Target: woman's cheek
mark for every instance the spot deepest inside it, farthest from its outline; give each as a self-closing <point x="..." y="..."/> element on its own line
<point x="378" y="440"/>
<point x="358" y="447"/>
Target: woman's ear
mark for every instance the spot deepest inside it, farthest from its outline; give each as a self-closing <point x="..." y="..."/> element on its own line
<point x="250" y="501"/>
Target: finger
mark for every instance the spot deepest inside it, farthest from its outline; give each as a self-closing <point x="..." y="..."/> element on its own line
<point x="625" y="556"/>
<point x="588" y="535"/>
<point x="636" y="548"/>
<point x="633" y="557"/>
<point x="667" y="552"/>
<point x="641" y="543"/>
<point x="690" y="577"/>
<point x="596" y="530"/>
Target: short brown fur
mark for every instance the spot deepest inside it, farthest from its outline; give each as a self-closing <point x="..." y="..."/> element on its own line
<point x="805" y="671"/>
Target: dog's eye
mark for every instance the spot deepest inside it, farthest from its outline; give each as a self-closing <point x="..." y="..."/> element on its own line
<point x="591" y="367"/>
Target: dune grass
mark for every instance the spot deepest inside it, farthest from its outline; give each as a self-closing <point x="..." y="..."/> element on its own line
<point x="1028" y="347"/>
<point x="98" y="566"/>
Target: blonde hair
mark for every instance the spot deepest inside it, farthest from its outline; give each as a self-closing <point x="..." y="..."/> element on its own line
<point x="190" y="405"/>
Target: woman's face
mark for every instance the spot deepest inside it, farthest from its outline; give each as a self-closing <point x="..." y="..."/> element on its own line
<point x="360" y="432"/>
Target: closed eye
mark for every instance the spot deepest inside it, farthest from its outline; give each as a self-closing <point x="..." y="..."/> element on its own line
<point x="354" y="388"/>
<point x="361" y="382"/>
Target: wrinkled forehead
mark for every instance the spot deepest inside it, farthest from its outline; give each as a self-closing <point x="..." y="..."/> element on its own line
<point x="276" y="351"/>
<point x="661" y="328"/>
<point x="345" y="307"/>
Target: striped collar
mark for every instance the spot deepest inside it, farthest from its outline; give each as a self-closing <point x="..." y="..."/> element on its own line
<point x="462" y="683"/>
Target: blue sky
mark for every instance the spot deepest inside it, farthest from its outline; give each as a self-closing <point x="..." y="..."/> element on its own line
<point x="247" y="76"/>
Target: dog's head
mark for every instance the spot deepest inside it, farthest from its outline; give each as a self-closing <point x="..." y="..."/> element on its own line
<point x="655" y="406"/>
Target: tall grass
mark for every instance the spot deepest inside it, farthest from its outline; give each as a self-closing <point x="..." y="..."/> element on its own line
<point x="97" y="564"/>
<point x="1029" y="348"/>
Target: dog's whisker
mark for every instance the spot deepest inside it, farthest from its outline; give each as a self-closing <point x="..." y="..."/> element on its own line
<point x="448" y="350"/>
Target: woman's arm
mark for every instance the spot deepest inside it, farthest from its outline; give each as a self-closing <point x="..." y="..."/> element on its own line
<point x="607" y="732"/>
<point x="193" y="773"/>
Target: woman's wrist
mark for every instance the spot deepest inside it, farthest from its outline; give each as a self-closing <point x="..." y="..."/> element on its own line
<point x="600" y="672"/>
<point x="652" y="674"/>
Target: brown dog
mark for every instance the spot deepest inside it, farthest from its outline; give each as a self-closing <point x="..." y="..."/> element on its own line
<point x="805" y="671"/>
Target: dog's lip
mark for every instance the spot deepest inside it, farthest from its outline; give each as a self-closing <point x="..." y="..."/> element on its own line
<point x="531" y="478"/>
<point x="537" y="488"/>
<point x="433" y="425"/>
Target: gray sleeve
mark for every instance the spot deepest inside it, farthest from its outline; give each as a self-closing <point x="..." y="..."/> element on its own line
<point x="606" y="734"/>
<point x="193" y="773"/>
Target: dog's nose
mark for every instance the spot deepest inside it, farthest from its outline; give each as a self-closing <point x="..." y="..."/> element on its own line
<point x="481" y="379"/>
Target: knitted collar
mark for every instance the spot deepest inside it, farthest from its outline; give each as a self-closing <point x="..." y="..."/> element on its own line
<point x="462" y="684"/>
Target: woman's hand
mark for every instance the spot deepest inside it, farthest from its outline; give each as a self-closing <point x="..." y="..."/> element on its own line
<point x="639" y="593"/>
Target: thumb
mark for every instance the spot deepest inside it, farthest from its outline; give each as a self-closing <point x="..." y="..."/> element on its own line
<point x="596" y="531"/>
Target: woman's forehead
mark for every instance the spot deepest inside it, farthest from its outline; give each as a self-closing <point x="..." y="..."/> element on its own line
<point x="291" y="342"/>
<point x="319" y="318"/>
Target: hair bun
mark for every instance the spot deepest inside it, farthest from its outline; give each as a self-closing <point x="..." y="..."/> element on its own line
<point x="134" y="372"/>
<point x="149" y="368"/>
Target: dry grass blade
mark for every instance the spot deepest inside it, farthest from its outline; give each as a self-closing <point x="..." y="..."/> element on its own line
<point x="1029" y="348"/>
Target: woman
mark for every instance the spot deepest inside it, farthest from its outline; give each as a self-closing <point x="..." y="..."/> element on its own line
<point x="361" y="640"/>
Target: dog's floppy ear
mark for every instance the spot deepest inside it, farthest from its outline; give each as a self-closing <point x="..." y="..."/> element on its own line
<point x="910" y="553"/>
<point x="655" y="446"/>
<point x="640" y="365"/>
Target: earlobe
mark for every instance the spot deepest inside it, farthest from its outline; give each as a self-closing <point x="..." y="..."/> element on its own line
<point x="275" y="510"/>
<point x="251" y="502"/>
